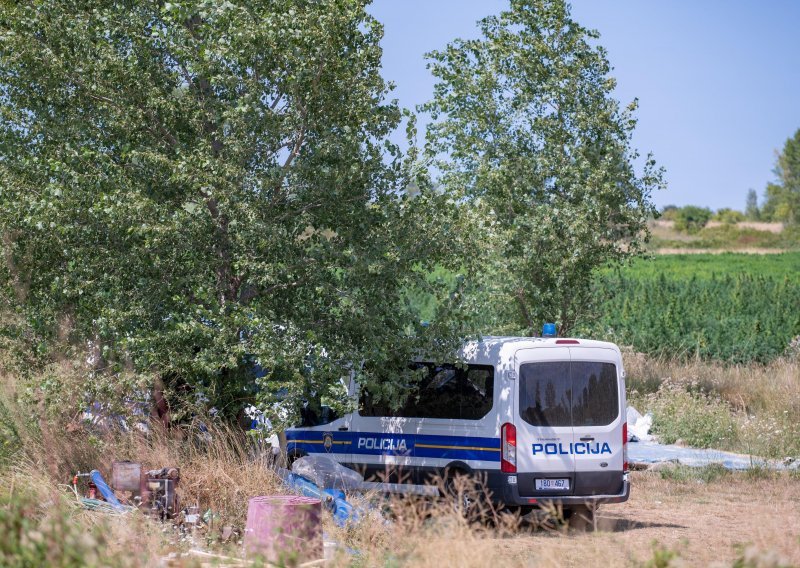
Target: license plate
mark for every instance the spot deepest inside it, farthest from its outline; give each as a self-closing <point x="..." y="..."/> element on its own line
<point x="552" y="484"/>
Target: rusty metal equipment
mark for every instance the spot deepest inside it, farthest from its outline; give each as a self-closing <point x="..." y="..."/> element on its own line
<point x="126" y="476"/>
<point x="160" y="496"/>
<point x="155" y="491"/>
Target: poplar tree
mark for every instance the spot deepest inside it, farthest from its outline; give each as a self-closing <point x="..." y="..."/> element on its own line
<point x="201" y="189"/>
<point x="527" y="131"/>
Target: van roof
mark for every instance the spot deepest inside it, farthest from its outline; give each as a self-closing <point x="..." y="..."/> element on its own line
<point x="494" y="348"/>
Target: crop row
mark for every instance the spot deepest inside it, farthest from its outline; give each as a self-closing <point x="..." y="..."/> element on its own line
<point x="740" y="317"/>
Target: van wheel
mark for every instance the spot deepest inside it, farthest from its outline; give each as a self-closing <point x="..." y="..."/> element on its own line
<point x="467" y="495"/>
<point x="581" y="518"/>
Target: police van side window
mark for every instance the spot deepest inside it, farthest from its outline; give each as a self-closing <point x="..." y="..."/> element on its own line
<point x="461" y="393"/>
<point x="464" y="393"/>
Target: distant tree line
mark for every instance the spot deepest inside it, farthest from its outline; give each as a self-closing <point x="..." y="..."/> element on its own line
<point x="780" y="202"/>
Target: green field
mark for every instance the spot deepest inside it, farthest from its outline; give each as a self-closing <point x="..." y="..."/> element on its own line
<point x="706" y="266"/>
<point x="731" y="307"/>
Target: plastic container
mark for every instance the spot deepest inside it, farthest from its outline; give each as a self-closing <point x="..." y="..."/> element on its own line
<point x="284" y="529"/>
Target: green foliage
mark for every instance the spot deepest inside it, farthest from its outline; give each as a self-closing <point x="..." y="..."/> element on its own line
<point x="530" y="138"/>
<point x="707" y="474"/>
<point x="728" y="215"/>
<point x="782" y="198"/>
<point x="9" y="437"/>
<point x="188" y="188"/>
<point x="663" y="557"/>
<point x="691" y="219"/>
<point x="669" y="212"/>
<point x="751" y="209"/>
<point x="736" y="308"/>
<point x="31" y="539"/>
<point x="683" y="412"/>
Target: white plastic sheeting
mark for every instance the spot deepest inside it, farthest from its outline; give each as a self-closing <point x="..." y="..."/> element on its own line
<point x="639" y="426"/>
<point x="650" y="453"/>
<point x="326" y="473"/>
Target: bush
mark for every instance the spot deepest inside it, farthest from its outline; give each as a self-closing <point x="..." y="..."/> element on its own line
<point x="691" y="219"/>
<point x="53" y="539"/>
<point x="683" y="412"/>
<point x="728" y="215"/>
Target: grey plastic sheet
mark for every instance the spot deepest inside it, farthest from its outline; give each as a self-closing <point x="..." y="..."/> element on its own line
<point x="649" y="453"/>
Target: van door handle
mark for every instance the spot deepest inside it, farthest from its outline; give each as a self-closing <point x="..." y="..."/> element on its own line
<point x="343" y="428"/>
<point x="587" y="439"/>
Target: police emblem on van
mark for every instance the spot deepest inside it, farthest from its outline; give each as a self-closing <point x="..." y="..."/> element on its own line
<point x="327" y="441"/>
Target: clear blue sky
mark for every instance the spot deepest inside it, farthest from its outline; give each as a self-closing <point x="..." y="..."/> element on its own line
<point x="718" y="81"/>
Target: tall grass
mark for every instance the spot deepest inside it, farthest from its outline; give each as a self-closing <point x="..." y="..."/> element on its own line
<point x="221" y="471"/>
<point x="747" y="408"/>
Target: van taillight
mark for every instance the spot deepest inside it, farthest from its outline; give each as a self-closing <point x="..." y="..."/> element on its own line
<point x="625" y="446"/>
<point x="508" y="448"/>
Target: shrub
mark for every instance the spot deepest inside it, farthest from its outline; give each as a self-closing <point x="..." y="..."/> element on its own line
<point x="53" y="539"/>
<point x="683" y="412"/>
<point x="728" y="215"/>
<point x="691" y="219"/>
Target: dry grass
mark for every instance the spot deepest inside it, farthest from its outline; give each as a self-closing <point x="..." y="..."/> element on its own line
<point x="695" y="523"/>
<point x="763" y="401"/>
<point x="708" y="520"/>
<point x="750" y="388"/>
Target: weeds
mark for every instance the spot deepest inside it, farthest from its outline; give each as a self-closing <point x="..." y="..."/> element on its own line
<point x="753" y="409"/>
<point x="662" y="557"/>
<point x="684" y="412"/>
<point x="708" y="474"/>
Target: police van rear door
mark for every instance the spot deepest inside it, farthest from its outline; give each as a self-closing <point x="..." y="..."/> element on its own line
<point x="598" y="397"/>
<point x="542" y="416"/>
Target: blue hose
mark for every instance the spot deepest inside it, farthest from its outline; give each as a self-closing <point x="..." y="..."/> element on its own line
<point x="105" y="490"/>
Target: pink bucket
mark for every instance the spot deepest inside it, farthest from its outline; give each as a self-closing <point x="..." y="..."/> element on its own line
<point x="284" y="529"/>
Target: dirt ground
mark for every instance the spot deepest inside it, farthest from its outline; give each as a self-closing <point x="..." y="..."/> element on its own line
<point x="699" y="524"/>
<point x="719" y="250"/>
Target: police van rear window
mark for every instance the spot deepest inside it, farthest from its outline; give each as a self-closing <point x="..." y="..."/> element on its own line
<point x="445" y="391"/>
<point x="562" y="393"/>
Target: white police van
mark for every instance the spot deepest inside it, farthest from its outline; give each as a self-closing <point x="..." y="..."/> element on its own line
<point x="542" y="420"/>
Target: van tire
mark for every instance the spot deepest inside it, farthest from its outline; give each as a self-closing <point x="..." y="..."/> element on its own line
<point x="468" y="495"/>
<point x="581" y="518"/>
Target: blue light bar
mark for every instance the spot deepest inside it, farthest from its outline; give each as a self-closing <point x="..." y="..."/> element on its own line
<point x="549" y="330"/>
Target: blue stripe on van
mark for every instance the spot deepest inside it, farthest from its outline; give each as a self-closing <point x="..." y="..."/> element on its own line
<point x="381" y="443"/>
